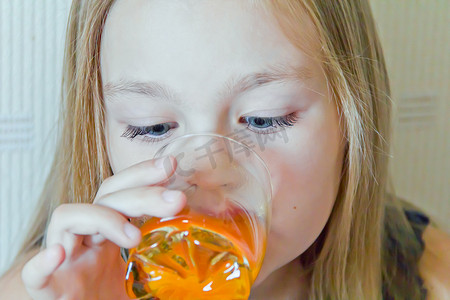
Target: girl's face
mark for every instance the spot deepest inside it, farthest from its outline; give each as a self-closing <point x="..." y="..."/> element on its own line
<point x="199" y="66"/>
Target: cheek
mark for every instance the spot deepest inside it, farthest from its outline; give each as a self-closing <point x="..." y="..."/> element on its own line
<point x="305" y="188"/>
<point x="306" y="176"/>
<point x="123" y="153"/>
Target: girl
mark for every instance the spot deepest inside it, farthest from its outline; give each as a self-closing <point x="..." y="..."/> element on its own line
<point x="141" y="72"/>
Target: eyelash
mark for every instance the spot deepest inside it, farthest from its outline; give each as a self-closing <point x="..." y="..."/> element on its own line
<point x="282" y="121"/>
<point x="133" y="131"/>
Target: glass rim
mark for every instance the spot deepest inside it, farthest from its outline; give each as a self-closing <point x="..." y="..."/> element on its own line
<point x="124" y="253"/>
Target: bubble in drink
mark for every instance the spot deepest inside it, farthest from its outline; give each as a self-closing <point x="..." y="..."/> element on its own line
<point x="197" y="256"/>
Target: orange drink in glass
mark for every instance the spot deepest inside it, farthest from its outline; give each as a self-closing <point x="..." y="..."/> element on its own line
<point x="214" y="247"/>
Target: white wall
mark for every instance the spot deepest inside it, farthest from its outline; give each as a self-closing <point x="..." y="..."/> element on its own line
<point x="416" y="40"/>
<point x="31" y="48"/>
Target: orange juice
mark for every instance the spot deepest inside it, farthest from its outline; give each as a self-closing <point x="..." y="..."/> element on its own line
<point x="197" y="256"/>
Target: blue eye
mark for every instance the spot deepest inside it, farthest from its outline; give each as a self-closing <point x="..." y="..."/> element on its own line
<point x="269" y="124"/>
<point x="159" y="129"/>
<point x="152" y="133"/>
<point x="260" y="122"/>
<point x="158" y="132"/>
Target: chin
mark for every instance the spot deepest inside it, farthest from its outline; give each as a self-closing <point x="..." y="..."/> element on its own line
<point x="258" y="280"/>
<point x="263" y="274"/>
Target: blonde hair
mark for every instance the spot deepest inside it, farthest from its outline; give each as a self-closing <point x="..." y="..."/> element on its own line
<point x="346" y="261"/>
<point x="81" y="163"/>
<point x="350" y="259"/>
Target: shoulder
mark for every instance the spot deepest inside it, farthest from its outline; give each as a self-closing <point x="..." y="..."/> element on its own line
<point x="434" y="265"/>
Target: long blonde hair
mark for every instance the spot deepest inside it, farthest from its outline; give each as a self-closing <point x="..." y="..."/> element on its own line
<point x="81" y="163"/>
<point x="346" y="260"/>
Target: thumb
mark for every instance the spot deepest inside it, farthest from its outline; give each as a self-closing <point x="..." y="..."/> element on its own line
<point x="37" y="273"/>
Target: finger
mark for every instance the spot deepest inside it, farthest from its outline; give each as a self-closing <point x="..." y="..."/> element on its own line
<point x="69" y="221"/>
<point x="153" y="201"/>
<point x="149" y="172"/>
<point x="92" y="240"/>
<point x="37" y="273"/>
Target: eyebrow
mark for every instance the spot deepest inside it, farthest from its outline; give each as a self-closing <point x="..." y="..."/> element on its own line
<point x="280" y="73"/>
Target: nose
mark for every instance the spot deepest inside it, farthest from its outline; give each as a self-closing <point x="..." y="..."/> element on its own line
<point x="210" y="164"/>
<point x="210" y="191"/>
<point x="220" y="177"/>
<point x="207" y="172"/>
<point x="215" y="173"/>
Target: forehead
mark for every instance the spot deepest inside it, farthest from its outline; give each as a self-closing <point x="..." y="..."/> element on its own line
<point x="184" y="43"/>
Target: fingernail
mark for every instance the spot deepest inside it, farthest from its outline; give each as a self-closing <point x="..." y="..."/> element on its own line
<point x="171" y="196"/>
<point x="159" y="163"/>
<point x="131" y="231"/>
<point x="51" y="253"/>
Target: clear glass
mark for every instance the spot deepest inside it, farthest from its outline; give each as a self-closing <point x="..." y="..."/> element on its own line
<point x="213" y="248"/>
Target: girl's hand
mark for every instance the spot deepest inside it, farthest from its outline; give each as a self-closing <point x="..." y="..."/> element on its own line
<point x="82" y="256"/>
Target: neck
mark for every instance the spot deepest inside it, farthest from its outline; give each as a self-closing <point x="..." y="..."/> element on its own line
<point x="287" y="282"/>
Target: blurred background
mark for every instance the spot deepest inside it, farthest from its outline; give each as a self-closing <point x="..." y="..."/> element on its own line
<point x="416" y="40"/>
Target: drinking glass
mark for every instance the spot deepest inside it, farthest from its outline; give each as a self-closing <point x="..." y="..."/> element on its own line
<point x="214" y="247"/>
